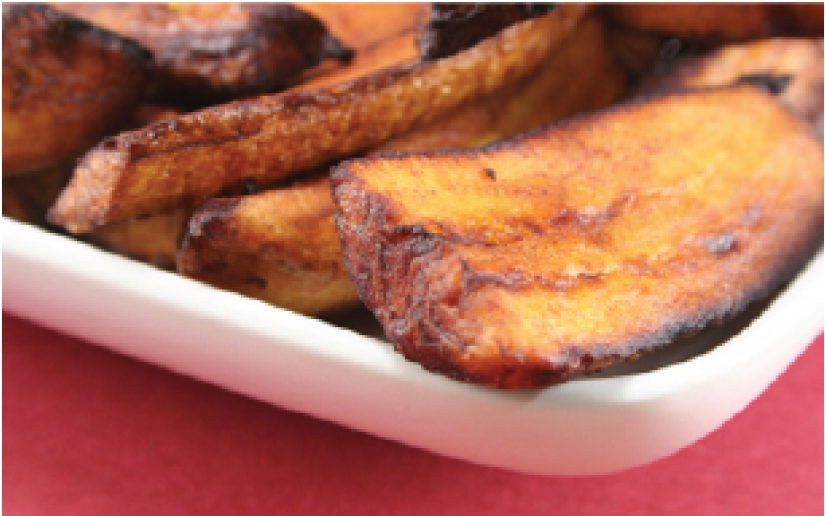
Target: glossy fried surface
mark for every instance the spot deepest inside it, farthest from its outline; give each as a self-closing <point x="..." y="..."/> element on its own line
<point x="452" y="27"/>
<point x="66" y="84"/>
<point x="594" y="240"/>
<point x="281" y="245"/>
<point x="219" y="51"/>
<point x="199" y="154"/>
<point x="796" y="63"/>
<point x="720" y="22"/>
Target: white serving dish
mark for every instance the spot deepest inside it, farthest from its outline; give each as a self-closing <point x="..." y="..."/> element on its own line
<point x="585" y="427"/>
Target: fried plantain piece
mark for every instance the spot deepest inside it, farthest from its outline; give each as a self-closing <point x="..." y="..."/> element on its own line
<point x="795" y="64"/>
<point x="281" y="246"/>
<point x="216" y="52"/>
<point x="197" y="155"/>
<point x="593" y="240"/>
<point x="450" y="28"/>
<point x="66" y="84"/>
<point x="715" y="23"/>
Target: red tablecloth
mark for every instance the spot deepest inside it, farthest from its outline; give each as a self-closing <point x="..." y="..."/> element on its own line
<point x="88" y="432"/>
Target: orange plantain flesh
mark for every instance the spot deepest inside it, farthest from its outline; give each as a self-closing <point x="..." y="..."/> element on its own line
<point x="530" y="261"/>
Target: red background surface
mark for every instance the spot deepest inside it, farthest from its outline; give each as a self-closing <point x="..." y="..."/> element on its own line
<point x="87" y="432"/>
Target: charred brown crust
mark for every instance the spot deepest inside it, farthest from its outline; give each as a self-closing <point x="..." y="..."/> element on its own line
<point x="208" y="53"/>
<point x="66" y="84"/>
<point x="451" y="28"/>
<point x="454" y="301"/>
<point x="269" y="138"/>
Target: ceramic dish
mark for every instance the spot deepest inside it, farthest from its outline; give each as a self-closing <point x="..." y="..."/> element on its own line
<point x="628" y="416"/>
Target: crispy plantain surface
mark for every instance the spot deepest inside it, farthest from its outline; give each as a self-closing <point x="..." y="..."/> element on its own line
<point x="198" y="154"/>
<point x="66" y="85"/>
<point x="593" y="240"/>
<point x="792" y="67"/>
<point x="214" y="52"/>
<point x="715" y="23"/>
<point x="281" y="245"/>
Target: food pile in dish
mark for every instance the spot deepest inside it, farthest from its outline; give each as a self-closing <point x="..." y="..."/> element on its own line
<point x="519" y="193"/>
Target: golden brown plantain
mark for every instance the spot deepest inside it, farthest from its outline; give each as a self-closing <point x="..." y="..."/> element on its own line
<point x="590" y="241"/>
<point x="199" y="154"/>
<point x="281" y="245"/>
<point x="213" y="52"/>
<point x="715" y="23"/>
<point x="450" y="28"/>
<point x="66" y="84"/>
<point x="795" y="64"/>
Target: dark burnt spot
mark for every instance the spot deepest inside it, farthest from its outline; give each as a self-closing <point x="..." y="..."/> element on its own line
<point x="490" y="173"/>
<point x="250" y="187"/>
<point x="255" y="281"/>
<point x="773" y="84"/>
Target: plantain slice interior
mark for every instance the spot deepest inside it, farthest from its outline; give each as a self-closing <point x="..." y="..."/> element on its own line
<point x="591" y="241"/>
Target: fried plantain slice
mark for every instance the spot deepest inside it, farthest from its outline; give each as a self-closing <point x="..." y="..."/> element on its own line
<point x="215" y="52"/>
<point x="594" y="240"/>
<point x="795" y="64"/>
<point x="281" y="246"/>
<point x="66" y="84"/>
<point x="450" y="28"/>
<point x="715" y="23"/>
<point x="199" y="154"/>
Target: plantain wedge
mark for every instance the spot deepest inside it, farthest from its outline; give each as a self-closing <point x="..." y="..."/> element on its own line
<point x="199" y="154"/>
<point x="594" y="240"/>
<point x="213" y="52"/>
<point x="281" y="245"/>
<point x="791" y="66"/>
<point x="66" y="85"/>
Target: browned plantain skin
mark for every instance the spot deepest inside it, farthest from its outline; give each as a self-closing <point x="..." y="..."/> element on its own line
<point x="217" y="52"/>
<point x="799" y="62"/>
<point x="600" y="238"/>
<point x="66" y="84"/>
<point x="281" y="246"/>
<point x="199" y="154"/>
<point x="714" y="23"/>
<point x="450" y="28"/>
